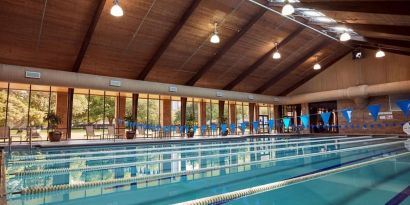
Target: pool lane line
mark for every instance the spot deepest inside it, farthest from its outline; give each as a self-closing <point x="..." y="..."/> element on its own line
<point x="400" y="197"/>
<point x="60" y="161"/>
<point x="54" y="161"/>
<point x="43" y="155"/>
<point x="112" y="166"/>
<point x="50" y="156"/>
<point x="221" y="198"/>
<point x="142" y="179"/>
<point x="119" y="185"/>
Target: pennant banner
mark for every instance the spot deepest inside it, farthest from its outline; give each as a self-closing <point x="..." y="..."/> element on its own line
<point x="374" y="111"/>
<point x="213" y="127"/>
<point x="233" y="127"/>
<point x="203" y="129"/>
<point x="243" y="127"/>
<point x="255" y="126"/>
<point x="223" y="127"/>
<point x="325" y="117"/>
<point x="286" y="122"/>
<point x="347" y="114"/>
<point x="305" y="120"/>
<point x="271" y="124"/>
<point x="404" y="105"/>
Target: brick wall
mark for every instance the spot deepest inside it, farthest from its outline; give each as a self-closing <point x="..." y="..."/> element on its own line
<point x="361" y="116"/>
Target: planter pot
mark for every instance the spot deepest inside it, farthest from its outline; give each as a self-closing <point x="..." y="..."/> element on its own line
<point x="54" y="136"/>
<point x="130" y="134"/>
<point x="190" y="134"/>
<point x="224" y="133"/>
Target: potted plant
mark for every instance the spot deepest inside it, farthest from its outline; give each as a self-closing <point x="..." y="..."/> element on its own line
<point x="53" y="122"/>
<point x="223" y="120"/>
<point x="130" y="133"/>
<point x="190" y="123"/>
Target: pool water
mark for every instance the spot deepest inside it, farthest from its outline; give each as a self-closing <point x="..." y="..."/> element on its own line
<point x="174" y="172"/>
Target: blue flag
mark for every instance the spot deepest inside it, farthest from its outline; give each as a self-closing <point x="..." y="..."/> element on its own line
<point x="305" y="120"/>
<point x="374" y="111"/>
<point x="286" y="122"/>
<point x="213" y="127"/>
<point x="325" y="117"/>
<point x="347" y="114"/>
<point x="404" y="105"/>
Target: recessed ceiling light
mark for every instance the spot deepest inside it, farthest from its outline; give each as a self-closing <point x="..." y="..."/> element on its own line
<point x="312" y="13"/>
<point x="324" y="19"/>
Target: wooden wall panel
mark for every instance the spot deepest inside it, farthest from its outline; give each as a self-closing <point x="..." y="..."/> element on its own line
<point x="371" y="70"/>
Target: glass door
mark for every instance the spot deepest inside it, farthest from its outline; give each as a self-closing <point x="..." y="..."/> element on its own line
<point x="263" y="123"/>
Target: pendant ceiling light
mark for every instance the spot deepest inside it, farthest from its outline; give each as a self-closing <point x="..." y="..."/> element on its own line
<point x="276" y="54"/>
<point x="215" y="38"/>
<point x="287" y="9"/>
<point x="380" y="53"/>
<point x="116" y="9"/>
<point x="345" y="36"/>
<point x="317" y="66"/>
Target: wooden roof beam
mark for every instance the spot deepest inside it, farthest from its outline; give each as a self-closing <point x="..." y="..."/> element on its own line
<point x="292" y="67"/>
<point x="388" y="29"/>
<point x="164" y="45"/>
<point x="225" y="48"/>
<point x="262" y="59"/>
<point x="88" y="36"/>
<point x="313" y="74"/>
<point x="394" y="7"/>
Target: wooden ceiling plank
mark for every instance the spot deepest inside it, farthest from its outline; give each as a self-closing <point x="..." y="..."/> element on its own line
<point x="164" y="45"/>
<point x="313" y="74"/>
<point x="225" y="48"/>
<point x="292" y="67"/>
<point x="262" y="59"/>
<point x="395" y="7"/>
<point x="88" y="36"/>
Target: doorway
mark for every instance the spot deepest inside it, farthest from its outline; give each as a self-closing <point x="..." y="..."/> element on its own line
<point x="263" y="123"/>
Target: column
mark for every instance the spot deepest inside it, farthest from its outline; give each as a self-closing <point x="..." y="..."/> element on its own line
<point x="183" y="110"/>
<point x="62" y="112"/>
<point x="134" y="106"/>
<point x="166" y="112"/>
<point x="251" y="116"/>
<point x="120" y="113"/>
<point x="202" y="113"/>
<point x="232" y="113"/>
<point x="221" y="105"/>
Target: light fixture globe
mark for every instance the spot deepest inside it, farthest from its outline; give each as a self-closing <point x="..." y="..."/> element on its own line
<point x="215" y="38"/>
<point x="276" y="55"/>
<point x="288" y="10"/>
<point x="380" y="54"/>
<point x="116" y="9"/>
<point x="345" y="36"/>
<point x="317" y="66"/>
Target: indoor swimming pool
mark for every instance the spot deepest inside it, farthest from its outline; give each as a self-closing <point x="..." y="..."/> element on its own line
<point x="178" y="172"/>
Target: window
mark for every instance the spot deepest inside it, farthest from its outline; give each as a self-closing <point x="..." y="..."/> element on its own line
<point x="176" y="112"/>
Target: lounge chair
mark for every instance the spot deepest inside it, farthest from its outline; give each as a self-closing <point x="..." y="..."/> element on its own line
<point x="4" y="133"/>
<point x="89" y="132"/>
<point x="33" y="133"/>
<point x="111" y="132"/>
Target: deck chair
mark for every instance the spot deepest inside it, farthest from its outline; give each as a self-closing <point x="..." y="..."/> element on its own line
<point x="33" y="133"/>
<point x="111" y="132"/>
<point x="4" y="133"/>
<point x="89" y="132"/>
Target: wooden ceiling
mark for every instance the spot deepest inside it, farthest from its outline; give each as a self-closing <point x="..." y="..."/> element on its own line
<point x="168" y="41"/>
